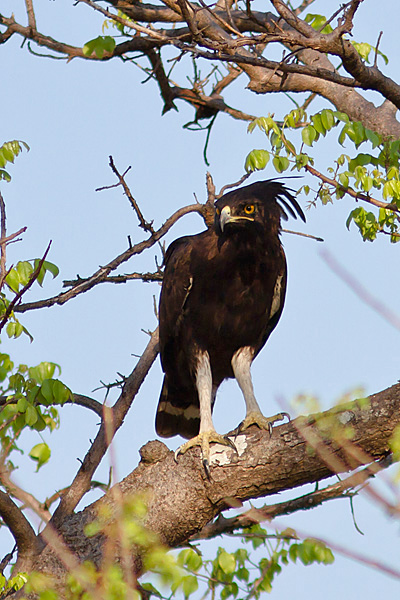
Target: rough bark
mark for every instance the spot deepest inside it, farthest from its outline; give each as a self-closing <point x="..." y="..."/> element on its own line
<point x="182" y="500"/>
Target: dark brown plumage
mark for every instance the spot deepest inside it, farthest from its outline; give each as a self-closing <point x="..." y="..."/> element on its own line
<point x="222" y="295"/>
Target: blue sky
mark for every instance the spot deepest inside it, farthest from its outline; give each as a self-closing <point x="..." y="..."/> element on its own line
<point x="73" y="116"/>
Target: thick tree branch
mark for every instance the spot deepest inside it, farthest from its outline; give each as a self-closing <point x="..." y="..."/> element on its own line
<point x="19" y="526"/>
<point x="182" y="500"/>
<point x="211" y="34"/>
<point x="347" y="488"/>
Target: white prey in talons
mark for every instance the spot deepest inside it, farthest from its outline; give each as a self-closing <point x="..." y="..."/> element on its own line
<point x="241" y="363"/>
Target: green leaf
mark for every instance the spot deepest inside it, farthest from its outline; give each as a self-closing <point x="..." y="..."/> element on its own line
<point x="10" y="329"/>
<point x="31" y="415"/>
<point x="308" y="135"/>
<point x="327" y="118"/>
<point x="22" y="405"/>
<point x="47" y="390"/>
<point x="12" y="280"/>
<point x="317" y="123"/>
<point x="256" y="160"/>
<point x="25" y="270"/>
<point x="190" y="559"/>
<point x="4" y="175"/>
<point x="344" y="179"/>
<point x="149" y="587"/>
<point x="49" y="266"/>
<point x="227" y="562"/>
<point x="41" y="454"/>
<point x="44" y="370"/>
<point x="99" y="46"/>
<point x="281" y="163"/>
<point x="189" y="585"/>
<point x="317" y="21"/>
<point x="61" y="392"/>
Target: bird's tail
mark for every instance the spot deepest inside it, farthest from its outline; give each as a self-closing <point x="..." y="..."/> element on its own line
<point x="178" y="412"/>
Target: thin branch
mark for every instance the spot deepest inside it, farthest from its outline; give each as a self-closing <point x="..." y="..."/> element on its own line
<point x="13" y="304"/>
<point x="365" y="295"/>
<point x="307" y="235"/>
<point x="27" y="499"/>
<point x="233" y="185"/>
<point x="350" y="191"/>
<point x="305" y="4"/>
<point x="3" y="271"/>
<point x="142" y="222"/>
<point x="101" y="274"/>
<point x="31" y="14"/>
<point x="146" y="277"/>
<point x="78" y="399"/>
<point x="342" y="489"/>
<point x="12" y="236"/>
<point x="82" y="480"/>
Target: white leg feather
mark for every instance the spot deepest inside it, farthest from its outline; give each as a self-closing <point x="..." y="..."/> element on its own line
<point x="241" y="363"/>
<point x="205" y="390"/>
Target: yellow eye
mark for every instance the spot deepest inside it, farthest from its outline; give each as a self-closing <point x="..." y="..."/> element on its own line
<point x="249" y="209"/>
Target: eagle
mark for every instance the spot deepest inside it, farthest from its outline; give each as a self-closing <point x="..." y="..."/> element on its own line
<point x="222" y="295"/>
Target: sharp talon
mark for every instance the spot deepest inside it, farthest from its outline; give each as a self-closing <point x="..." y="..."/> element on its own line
<point x="206" y="468"/>
<point x="285" y="414"/>
<point x="231" y="444"/>
<point x="176" y="454"/>
<point x="270" y="429"/>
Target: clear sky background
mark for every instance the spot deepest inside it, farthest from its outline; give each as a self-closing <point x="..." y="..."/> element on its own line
<point x="328" y="342"/>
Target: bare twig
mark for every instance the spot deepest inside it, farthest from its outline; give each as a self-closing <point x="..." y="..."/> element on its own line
<point x="3" y="243"/>
<point x="142" y="222"/>
<point x="27" y="499"/>
<point x="101" y="274"/>
<point x="31" y="14"/>
<point x="307" y="235"/>
<point x="233" y="185"/>
<point x="147" y="277"/>
<point x="365" y="295"/>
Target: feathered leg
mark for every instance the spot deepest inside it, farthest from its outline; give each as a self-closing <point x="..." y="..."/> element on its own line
<point x="241" y="363"/>
<point x="207" y="433"/>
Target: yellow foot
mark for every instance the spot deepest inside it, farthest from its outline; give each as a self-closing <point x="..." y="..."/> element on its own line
<point x="257" y="418"/>
<point x="204" y="440"/>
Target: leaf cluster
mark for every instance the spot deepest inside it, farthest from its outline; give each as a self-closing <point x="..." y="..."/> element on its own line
<point x="358" y="176"/>
<point x="29" y="396"/>
<point x="8" y="153"/>
<point x="16" y="279"/>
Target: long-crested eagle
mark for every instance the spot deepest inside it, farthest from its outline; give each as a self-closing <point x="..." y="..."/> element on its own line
<point x="222" y="295"/>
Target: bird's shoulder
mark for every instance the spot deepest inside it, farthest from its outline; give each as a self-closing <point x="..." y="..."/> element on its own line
<point x="179" y="252"/>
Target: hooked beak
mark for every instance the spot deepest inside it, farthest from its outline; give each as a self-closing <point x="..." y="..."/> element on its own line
<point x="227" y="217"/>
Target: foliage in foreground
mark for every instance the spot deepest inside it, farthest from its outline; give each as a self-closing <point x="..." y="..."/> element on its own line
<point x="244" y="573"/>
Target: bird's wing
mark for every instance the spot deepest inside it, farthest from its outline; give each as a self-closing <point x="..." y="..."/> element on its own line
<point x="178" y="408"/>
<point x="278" y="301"/>
<point x="176" y="287"/>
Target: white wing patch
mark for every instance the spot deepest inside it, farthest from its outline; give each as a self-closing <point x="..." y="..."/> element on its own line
<point x="276" y="300"/>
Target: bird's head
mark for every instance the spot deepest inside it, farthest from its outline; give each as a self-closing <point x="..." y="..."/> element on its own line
<point x="255" y="208"/>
